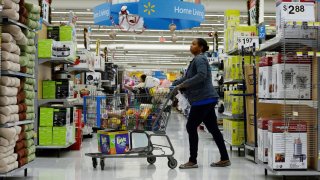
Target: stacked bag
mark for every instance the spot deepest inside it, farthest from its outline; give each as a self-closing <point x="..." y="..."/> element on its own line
<point x="27" y="91"/>
<point x="8" y="138"/>
<point x="28" y="51"/>
<point x="10" y="50"/>
<point x="29" y="14"/>
<point x="11" y="9"/>
<point x="9" y="100"/>
<point x="25" y="148"/>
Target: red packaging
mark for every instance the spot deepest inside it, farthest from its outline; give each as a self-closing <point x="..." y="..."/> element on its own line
<point x="276" y="126"/>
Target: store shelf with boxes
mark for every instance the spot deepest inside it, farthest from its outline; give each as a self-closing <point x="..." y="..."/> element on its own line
<point x="17" y="95"/>
<point x="238" y="88"/>
<point x="287" y="142"/>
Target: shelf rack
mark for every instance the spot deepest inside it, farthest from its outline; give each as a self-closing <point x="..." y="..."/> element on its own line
<point x="56" y="60"/>
<point x="310" y="103"/>
<point x="47" y="101"/>
<point x="236" y="146"/>
<point x="73" y="69"/>
<point x="58" y="148"/>
<point x="6" y="20"/>
<point x="15" y="74"/>
<point x="15" y="171"/>
<point x="12" y="124"/>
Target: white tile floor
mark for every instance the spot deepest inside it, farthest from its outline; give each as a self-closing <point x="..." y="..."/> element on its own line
<point x="74" y="165"/>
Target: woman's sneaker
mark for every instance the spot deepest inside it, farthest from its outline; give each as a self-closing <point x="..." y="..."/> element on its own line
<point x="221" y="164"/>
<point x="188" y="165"/>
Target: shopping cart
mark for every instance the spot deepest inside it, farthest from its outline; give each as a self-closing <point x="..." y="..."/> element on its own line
<point x="146" y="114"/>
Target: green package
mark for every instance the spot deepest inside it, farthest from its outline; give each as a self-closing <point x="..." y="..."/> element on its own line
<point x="46" y="116"/>
<point x="65" y="33"/>
<point x="48" y="89"/>
<point x="59" y="136"/>
<point x="45" y="48"/>
<point x="45" y="136"/>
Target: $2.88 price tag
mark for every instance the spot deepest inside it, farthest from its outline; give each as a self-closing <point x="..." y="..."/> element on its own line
<point x="297" y="11"/>
<point x="247" y="42"/>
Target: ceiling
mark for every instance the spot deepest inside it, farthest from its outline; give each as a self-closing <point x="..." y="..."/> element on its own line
<point x="144" y="50"/>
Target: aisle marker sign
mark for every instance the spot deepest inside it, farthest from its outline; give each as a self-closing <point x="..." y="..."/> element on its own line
<point x="248" y="42"/>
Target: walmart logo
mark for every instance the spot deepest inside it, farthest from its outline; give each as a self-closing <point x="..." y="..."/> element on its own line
<point x="149" y="8"/>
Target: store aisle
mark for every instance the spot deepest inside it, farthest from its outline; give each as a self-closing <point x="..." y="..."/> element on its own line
<point x="74" y="165"/>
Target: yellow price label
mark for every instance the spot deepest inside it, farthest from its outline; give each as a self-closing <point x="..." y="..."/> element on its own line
<point x="299" y="54"/>
<point x="318" y="54"/>
<point x="290" y="23"/>
<point x="310" y="53"/>
<point x="316" y="23"/>
<point x="299" y="23"/>
<point x="310" y="23"/>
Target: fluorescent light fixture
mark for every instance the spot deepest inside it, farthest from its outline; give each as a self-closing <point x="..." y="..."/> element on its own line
<point x="63" y="12"/>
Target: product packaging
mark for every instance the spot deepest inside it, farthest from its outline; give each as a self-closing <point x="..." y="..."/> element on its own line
<point x="46" y="116"/>
<point x="265" y="77"/>
<point x="287" y="145"/>
<point x="45" y="136"/>
<point x="113" y="142"/>
<point x="263" y="139"/>
<point x="48" y="89"/>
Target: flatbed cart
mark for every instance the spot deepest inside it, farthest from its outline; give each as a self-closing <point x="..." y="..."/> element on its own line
<point x="143" y="114"/>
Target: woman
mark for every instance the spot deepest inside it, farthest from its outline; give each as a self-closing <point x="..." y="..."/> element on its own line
<point x="197" y="86"/>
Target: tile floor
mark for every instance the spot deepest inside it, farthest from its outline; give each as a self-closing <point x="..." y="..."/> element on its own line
<point x="74" y="165"/>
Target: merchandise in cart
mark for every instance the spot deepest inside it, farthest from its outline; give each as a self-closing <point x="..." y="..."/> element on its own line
<point x="121" y="116"/>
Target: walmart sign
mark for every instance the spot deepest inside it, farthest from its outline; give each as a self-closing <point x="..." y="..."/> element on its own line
<point x="102" y="14"/>
<point x="171" y="10"/>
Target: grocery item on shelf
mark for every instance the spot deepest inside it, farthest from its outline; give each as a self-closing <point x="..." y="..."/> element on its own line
<point x="265" y="77"/>
<point x="113" y="142"/>
<point x="233" y="131"/>
<point x="288" y="143"/>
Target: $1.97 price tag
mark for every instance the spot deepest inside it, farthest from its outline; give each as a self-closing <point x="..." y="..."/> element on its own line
<point x="297" y="11"/>
<point x="247" y="42"/>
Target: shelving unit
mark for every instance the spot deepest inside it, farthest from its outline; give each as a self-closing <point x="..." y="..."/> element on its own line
<point x="310" y="103"/>
<point x="58" y="148"/>
<point x="8" y="21"/>
<point x="73" y="69"/>
<point x="47" y="101"/>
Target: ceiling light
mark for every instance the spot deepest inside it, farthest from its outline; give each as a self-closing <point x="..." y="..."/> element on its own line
<point x="88" y="9"/>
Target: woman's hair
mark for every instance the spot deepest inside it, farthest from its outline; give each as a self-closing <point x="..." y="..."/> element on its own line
<point x="143" y="77"/>
<point x="203" y="43"/>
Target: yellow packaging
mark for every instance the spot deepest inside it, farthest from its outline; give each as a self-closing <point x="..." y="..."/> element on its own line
<point x="233" y="131"/>
<point x="232" y="18"/>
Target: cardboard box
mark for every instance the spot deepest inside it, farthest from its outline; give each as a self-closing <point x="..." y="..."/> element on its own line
<point x="45" y="48"/>
<point x="265" y="77"/>
<point x="263" y="140"/>
<point x="45" y="136"/>
<point x="46" y="116"/>
<point x="66" y="49"/>
<point x="66" y="33"/>
<point x="233" y="131"/>
<point x="113" y="142"/>
<point x="287" y="145"/>
<point x="48" y="89"/>
<point x="61" y="117"/>
<point x="291" y="80"/>
<point x="249" y="79"/>
<point x="99" y="63"/>
<point x="54" y="33"/>
<point x="93" y="78"/>
<point x="59" y="136"/>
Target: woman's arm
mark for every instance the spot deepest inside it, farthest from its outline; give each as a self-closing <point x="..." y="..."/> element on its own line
<point x="179" y="81"/>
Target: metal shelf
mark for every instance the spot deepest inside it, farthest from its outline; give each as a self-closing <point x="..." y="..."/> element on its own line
<point x="310" y="103"/>
<point x="237" y="52"/>
<point x="6" y="20"/>
<point x="47" y="101"/>
<point x="234" y="81"/>
<point x="238" y="146"/>
<point x="15" y="74"/>
<point x="56" y="60"/>
<point x="46" y="23"/>
<point x="99" y="70"/>
<point x="7" y="125"/>
<point x="276" y="43"/>
<point x="290" y="172"/>
<point x="227" y="115"/>
<point x="241" y="95"/>
<point x="55" y="147"/>
<point x="15" y="171"/>
<point x="73" y="69"/>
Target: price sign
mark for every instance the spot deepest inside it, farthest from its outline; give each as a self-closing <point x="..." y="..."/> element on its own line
<point x="248" y="42"/>
<point x="262" y="31"/>
<point x="252" y="12"/>
<point x="297" y="11"/>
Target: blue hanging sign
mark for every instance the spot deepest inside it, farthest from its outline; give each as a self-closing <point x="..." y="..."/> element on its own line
<point x="171" y="10"/>
<point x="102" y="14"/>
<point x="262" y="31"/>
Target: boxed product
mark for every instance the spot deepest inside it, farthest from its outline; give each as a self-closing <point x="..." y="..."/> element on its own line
<point x="93" y="78"/>
<point x="265" y="77"/>
<point x="46" y="116"/>
<point x="295" y="32"/>
<point x="263" y="139"/>
<point x="233" y="131"/>
<point x="99" y="63"/>
<point x="60" y="33"/>
<point x="232" y="18"/>
<point x="287" y="145"/>
<point x="45" y="136"/>
<point x="291" y="80"/>
<point x="71" y="136"/>
<point x="81" y="90"/>
<point x="64" y="89"/>
<point x="249" y="77"/>
<point x="48" y="89"/>
<point x="61" y="116"/>
<point x="45" y="48"/>
<point x="63" y="49"/>
<point x="84" y="59"/>
<point x="59" y="137"/>
<point x="113" y="142"/>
